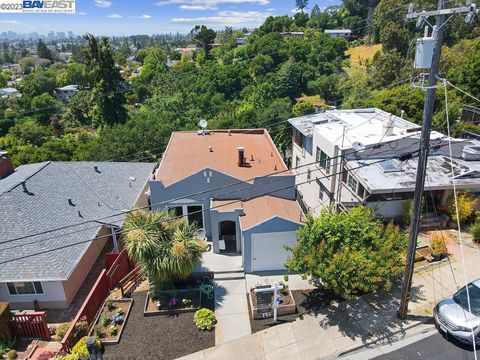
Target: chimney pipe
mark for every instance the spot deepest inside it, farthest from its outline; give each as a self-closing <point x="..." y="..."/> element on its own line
<point x="241" y="156"/>
<point x="6" y="165"/>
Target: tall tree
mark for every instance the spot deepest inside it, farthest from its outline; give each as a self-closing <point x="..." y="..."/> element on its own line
<point x="301" y="4"/>
<point x="108" y="99"/>
<point x="349" y="252"/>
<point x="315" y="11"/>
<point x="43" y="51"/>
<point x="204" y="37"/>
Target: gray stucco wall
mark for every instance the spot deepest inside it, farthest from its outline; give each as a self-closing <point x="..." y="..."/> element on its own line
<point x="205" y="181"/>
<point x="273" y="225"/>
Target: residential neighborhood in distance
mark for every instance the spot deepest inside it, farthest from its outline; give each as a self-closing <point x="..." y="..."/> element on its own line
<point x="251" y="179"/>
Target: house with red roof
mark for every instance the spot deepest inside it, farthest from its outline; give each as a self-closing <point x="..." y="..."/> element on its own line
<point x="235" y="185"/>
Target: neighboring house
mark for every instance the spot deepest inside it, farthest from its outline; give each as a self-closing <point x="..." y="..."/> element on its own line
<point x="243" y="40"/>
<point x="341" y="145"/>
<point x="255" y="217"/>
<point x="66" y="92"/>
<point x="9" y="92"/>
<point x="338" y="33"/>
<point x="42" y="197"/>
<point x="290" y="34"/>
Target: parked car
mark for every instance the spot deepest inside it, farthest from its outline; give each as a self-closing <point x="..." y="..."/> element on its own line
<point x="453" y="317"/>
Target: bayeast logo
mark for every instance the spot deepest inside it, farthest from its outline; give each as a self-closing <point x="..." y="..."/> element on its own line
<point x="60" y="6"/>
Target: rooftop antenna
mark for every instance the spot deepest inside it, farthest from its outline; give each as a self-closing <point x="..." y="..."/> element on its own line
<point x="203" y="124"/>
<point x="358" y="146"/>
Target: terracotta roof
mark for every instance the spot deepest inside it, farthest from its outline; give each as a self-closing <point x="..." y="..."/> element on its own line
<point x="188" y="153"/>
<point x="261" y="209"/>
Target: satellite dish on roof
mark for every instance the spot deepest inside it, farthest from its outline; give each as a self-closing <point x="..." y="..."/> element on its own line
<point x="358" y="146"/>
<point x="203" y="123"/>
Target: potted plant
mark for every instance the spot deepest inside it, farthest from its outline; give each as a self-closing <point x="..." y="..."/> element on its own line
<point x="439" y="247"/>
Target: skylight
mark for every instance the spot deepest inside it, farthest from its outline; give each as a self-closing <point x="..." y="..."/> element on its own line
<point x="390" y="166"/>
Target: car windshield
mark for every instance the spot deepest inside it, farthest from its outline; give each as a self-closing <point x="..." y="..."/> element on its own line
<point x="461" y="298"/>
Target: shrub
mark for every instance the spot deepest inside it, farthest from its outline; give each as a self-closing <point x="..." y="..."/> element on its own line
<point x="204" y="319"/>
<point x="119" y="311"/>
<point x="438" y="245"/>
<point x="466" y="205"/>
<point x="46" y="355"/>
<point x="476" y="232"/>
<point x="104" y="320"/>
<point x="61" y="331"/>
<point x="12" y="354"/>
<point x="97" y="331"/>
<point x="113" y="330"/>
<point x="81" y="329"/>
<point x="117" y="318"/>
<point x="80" y="348"/>
<point x="6" y="346"/>
<point x="110" y="305"/>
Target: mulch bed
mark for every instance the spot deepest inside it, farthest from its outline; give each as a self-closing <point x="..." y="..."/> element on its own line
<point x="159" y="337"/>
<point x="308" y="301"/>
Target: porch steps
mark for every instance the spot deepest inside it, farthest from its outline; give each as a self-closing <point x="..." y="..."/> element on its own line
<point x="229" y="275"/>
<point x="430" y="222"/>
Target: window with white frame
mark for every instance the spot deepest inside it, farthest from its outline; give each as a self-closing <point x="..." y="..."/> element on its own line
<point x="352" y="183"/>
<point x="25" y="288"/>
<point x="192" y="213"/>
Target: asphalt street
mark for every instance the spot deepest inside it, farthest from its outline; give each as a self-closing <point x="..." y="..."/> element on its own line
<point x="434" y="347"/>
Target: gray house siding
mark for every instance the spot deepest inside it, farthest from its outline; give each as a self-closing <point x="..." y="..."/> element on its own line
<point x="205" y="181"/>
<point x="274" y="225"/>
<point x="217" y="217"/>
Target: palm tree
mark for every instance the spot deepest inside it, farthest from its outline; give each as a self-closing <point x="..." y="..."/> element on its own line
<point x="165" y="247"/>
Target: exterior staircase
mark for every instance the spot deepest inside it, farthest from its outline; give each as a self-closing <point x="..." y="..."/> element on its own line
<point x="431" y="222"/>
<point x="228" y="275"/>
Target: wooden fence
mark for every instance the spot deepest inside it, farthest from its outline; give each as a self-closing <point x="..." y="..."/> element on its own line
<point x="89" y="309"/>
<point x="30" y="325"/>
<point x="128" y="283"/>
<point x="119" y="269"/>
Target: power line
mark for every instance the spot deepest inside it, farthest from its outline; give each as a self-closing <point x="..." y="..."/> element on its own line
<point x="179" y="217"/>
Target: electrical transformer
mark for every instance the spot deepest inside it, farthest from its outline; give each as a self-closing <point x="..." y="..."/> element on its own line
<point x="424" y="53"/>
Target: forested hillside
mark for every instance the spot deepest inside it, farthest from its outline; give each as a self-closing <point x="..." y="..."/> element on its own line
<point x="262" y="83"/>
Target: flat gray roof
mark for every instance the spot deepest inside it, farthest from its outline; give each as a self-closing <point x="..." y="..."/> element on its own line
<point x="35" y="198"/>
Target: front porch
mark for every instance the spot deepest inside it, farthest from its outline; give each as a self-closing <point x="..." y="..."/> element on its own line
<point x="212" y="262"/>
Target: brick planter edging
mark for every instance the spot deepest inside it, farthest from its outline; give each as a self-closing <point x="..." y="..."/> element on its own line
<point x="282" y="309"/>
<point x="166" y="311"/>
<point x="119" y="335"/>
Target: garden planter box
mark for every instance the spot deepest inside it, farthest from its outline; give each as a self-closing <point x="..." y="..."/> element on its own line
<point x="192" y="294"/>
<point x="126" y="306"/>
<point x="265" y="310"/>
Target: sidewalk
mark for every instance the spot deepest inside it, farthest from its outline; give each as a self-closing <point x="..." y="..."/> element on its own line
<point x="355" y="323"/>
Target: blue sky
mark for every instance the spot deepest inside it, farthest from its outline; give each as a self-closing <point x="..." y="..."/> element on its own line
<point x="126" y="17"/>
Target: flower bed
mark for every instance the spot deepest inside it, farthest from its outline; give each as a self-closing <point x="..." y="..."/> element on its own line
<point x="111" y="320"/>
<point x="261" y="303"/>
<point x="172" y="301"/>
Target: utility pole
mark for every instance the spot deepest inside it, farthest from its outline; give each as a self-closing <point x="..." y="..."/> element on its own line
<point x="369" y="23"/>
<point x="440" y="14"/>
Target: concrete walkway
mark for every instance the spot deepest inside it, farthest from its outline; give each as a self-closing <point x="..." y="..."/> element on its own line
<point x="231" y="310"/>
<point x="352" y="324"/>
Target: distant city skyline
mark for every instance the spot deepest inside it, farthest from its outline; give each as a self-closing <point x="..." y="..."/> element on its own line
<point x="124" y="17"/>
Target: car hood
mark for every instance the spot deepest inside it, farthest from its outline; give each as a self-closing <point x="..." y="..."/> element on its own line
<point x="456" y="315"/>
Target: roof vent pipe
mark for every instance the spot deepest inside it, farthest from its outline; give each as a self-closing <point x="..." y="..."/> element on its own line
<point x="241" y="156"/>
<point x="388" y="125"/>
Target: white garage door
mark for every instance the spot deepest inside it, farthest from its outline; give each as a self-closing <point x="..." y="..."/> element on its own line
<point x="268" y="252"/>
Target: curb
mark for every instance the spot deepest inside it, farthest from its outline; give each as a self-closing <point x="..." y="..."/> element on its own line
<point x="428" y="266"/>
<point x="368" y="343"/>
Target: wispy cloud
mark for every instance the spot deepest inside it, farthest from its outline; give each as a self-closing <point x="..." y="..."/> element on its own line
<point x="115" y="16"/>
<point x="225" y="18"/>
<point x="11" y="22"/>
<point x="198" y="7"/>
<point x="141" y="17"/>
<point x="103" y="3"/>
